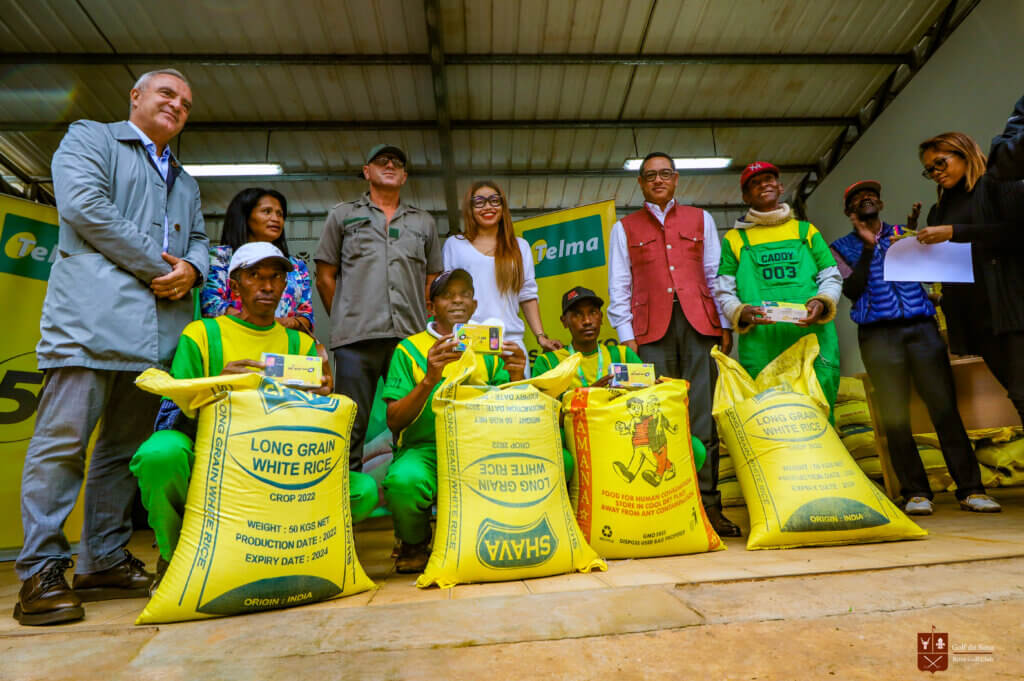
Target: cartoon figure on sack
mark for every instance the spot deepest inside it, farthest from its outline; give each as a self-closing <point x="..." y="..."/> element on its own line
<point x="649" y="442"/>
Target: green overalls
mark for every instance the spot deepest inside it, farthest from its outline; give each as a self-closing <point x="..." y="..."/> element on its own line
<point x="784" y="271"/>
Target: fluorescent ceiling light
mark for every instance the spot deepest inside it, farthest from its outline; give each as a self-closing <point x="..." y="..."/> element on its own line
<point x="695" y="163"/>
<point x="232" y="169"/>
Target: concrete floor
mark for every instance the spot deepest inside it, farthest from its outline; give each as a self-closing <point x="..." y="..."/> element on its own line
<point x="847" y="612"/>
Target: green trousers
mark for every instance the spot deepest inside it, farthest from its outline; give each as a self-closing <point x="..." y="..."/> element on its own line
<point x="410" y="487"/>
<point x="163" y="466"/>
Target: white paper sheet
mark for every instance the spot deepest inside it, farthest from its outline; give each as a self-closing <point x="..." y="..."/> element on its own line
<point x="910" y="260"/>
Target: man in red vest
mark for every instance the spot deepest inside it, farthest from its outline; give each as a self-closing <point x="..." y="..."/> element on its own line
<point x="662" y="262"/>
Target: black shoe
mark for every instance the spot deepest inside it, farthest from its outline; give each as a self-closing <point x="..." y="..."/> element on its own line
<point x="723" y="526"/>
<point x="46" y="598"/>
<point x="127" y="579"/>
<point x="161" y="569"/>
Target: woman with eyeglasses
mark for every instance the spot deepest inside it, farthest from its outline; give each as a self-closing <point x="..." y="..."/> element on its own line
<point x="500" y="264"/>
<point x="257" y="214"/>
<point x="982" y="203"/>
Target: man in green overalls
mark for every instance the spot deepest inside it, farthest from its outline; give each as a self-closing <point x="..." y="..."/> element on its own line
<point x="770" y="256"/>
<point x="421" y="364"/>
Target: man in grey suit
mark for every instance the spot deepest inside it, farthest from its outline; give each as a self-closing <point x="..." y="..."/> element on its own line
<point x="132" y="246"/>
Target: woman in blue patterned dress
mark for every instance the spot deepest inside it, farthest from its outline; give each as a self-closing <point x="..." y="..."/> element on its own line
<point x="257" y="214"/>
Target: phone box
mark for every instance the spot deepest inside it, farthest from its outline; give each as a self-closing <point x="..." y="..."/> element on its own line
<point x="295" y="370"/>
<point x="482" y="338"/>
<point x="631" y="375"/>
<point x="784" y="312"/>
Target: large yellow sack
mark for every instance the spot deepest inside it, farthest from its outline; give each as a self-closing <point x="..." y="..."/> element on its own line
<point x="503" y="509"/>
<point x="636" y="492"/>
<point x="267" y="520"/>
<point x="801" y="485"/>
<point x="731" y="493"/>
<point x="1005" y="456"/>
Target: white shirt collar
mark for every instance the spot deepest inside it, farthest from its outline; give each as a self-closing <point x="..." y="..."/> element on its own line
<point x="656" y="210"/>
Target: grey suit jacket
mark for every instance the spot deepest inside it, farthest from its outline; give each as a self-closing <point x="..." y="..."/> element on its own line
<point x="99" y="311"/>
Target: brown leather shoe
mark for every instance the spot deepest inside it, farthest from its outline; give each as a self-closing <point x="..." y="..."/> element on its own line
<point x="723" y="526"/>
<point x="412" y="558"/>
<point x="46" y="598"/>
<point x="127" y="579"/>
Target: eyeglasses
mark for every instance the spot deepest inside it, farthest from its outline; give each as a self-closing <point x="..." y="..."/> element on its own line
<point x="664" y="173"/>
<point x="383" y="160"/>
<point x="494" y="201"/>
<point x="940" y="164"/>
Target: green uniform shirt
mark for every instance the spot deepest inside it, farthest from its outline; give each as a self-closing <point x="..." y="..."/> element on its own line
<point x="604" y="355"/>
<point x="207" y="345"/>
<point x="409" y="367"/>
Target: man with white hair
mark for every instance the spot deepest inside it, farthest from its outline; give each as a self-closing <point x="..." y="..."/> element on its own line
<point x="132" y="246"/>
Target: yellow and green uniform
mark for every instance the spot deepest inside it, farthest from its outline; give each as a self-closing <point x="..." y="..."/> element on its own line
<point x="782" y="263"/>
<point x="593" y="366"/>
<point x="411" y="482"/>
<point x="163" y="464"/>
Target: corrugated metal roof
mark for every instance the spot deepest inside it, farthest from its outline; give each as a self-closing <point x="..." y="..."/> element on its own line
<point x="404" y="92"/>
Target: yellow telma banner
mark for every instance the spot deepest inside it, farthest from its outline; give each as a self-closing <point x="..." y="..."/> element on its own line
<point x="569" y="248"/>
<point x="28" y="246"/>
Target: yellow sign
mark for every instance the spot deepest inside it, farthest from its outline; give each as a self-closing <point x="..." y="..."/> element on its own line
<point x="569" y="248"/>
<point x="28" y="246"/>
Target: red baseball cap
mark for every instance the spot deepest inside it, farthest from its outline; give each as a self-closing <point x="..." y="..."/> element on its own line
<point x="857" y="186"/>
<point x="756" y="168"/>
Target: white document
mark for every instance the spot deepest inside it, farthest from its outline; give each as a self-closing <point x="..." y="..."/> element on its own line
<point x="910" y="260"/>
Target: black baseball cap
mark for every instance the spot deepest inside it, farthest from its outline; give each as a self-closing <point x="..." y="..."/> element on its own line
<point x="577" y="294"/>
<point x="440" y="282"/>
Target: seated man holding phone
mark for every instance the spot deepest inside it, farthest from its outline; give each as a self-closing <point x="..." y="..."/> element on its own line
<point x="223" y="345"/>
<point x="421" y="364"/>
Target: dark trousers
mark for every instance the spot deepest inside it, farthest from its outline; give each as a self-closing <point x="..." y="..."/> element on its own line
<point x="357" y="368"/>
<point x="684" y="353"/>
<point x="894" y="354"/>
<point x="1004" y="355"/>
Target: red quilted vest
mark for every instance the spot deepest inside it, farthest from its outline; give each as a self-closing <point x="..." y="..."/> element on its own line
<point x="667" y="261"/>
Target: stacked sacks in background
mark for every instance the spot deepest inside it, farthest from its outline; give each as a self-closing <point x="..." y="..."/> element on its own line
<point x="267" y="520"/>
<point x="728" y="485"/>
<point x="853" y="419"/>
<point x="503" y="510"/>
<point x="635" y="492"/>
<point x="1000" y="453"/>
<point x="801" y="486"/>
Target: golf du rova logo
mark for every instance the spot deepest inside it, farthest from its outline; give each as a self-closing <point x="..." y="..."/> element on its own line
<point x="567" y="246"/>
<point x="29" y="247"/>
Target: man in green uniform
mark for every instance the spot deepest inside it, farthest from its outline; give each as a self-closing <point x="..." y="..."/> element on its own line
<point x="420" y="365"/>
<point x="770" y="256"/>
<point x="582" y="315"/>
<point x="217" y="346"/>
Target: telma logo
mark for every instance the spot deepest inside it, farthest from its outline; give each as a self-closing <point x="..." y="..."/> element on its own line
<point x="29" y="247"/>
<point x="567" y="246"/>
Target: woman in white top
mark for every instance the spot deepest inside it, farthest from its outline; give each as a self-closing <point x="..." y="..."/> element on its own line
<point x="500" y="263"/>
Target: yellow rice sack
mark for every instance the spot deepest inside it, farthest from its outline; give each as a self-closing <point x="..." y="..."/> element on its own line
<point x="267" y="520"/>
<point x="503" y="509"/>
<point x="851" y="389"/>
<point x="801" y="486"/>
<point x="637" y="493"/>
<point x="1006" y="455"/>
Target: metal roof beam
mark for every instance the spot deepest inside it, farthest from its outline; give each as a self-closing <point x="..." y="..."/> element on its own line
<point x="516" y="212"/>
<point x="33" y="189"/>
<point x="333" y="59"/>
<point x="550" y="124"/>
<point x="526" y="173"/>
<point x="435" y="41"/>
